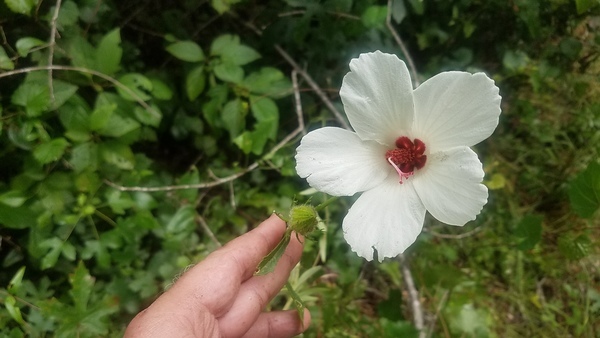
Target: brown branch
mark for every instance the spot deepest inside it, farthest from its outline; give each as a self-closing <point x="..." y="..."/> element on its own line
<point x="459" y="236"/>
<point x="413" y="296"/>
<point x="207" y="230"/>
<point x="314" y="86"/>
<point x="51" y="45"/>
<point x="409" y="60"/>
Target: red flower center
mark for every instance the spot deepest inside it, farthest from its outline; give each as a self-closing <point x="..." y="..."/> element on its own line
<point x="407" y="156"/>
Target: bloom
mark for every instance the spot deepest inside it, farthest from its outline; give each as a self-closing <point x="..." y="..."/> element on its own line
<point x="409" y="152"/>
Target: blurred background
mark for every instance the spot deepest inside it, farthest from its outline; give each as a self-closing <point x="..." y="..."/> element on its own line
<point x="108" y="107"/>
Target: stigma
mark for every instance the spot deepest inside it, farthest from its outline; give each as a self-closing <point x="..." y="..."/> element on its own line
<point x="407" y="157"/>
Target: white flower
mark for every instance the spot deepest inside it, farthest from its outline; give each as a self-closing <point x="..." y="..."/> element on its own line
<point x="409" y="152"/>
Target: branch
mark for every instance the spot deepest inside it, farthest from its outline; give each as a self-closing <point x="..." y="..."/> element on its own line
<point x="459" y="236"/>
<point x="314" y="86"/>
<point x="409" y="60"/>
<point x="219" y="181"/>
<point x="413" y="294"/>
<point x="207" y="230"/>
<point x="85" y="71"/>
<point x="51" y="45"/>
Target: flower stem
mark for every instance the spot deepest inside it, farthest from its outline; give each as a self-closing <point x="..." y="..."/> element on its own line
<point x="326" y="203"/>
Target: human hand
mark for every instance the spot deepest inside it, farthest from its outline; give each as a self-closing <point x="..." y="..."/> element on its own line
<point x="221" y="297"/>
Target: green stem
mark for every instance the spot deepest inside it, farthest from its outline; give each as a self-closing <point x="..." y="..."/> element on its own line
<point x="326" y="203"/>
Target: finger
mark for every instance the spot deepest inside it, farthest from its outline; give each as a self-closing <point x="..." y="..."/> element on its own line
<point x="215" y="281"/>
<point x="279" y="324"/>
<point x="257" y="292"/>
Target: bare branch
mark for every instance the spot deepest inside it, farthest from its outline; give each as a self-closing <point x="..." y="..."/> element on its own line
<point x="207" y="230"/>
<point x="340" y="118"/>
<point x="459" y="236"/>
<point x="411" y="64"/>
<point x="413" y="294"/>
<point x="51" y="45"/>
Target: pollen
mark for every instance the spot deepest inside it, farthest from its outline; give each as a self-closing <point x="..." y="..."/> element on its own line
<point x="407" y="156"/>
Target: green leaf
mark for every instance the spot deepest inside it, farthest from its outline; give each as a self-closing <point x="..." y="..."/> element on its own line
<point x="35" y="97"/>
<point x="160" y="90"/>
<point x="584" y="191"/>
<point x="230" y="50"/>
<point x="67" y="16"/>
<point x="109" y="52"/>
<point x="515" y="61"/>
<point x="575" y="248"/>
<point x="5" y="62"/>
<point x="269" y="262"/>
<point x="62" y="93"/>
<point x="84" y="156"/>
<point x="54" y="247"/>
<point x="149" y="117"/>
<point x="229" y="72"/>
<point x="400" y="328"/>
<point x="13" y="198"/>
<point x="50" y="151"/>
<point x="374" y="16"/>
<point x="25" y="45"/>
<point x="186" y="51"/>
<point x="182" y="220"/>
<point x="81" y="289"/>
<point x="15" y="283"/>
<point x="529" y="230"/>
<point x="101" y="115"/>
<point x="118" y="154"/>
<point x="20" y="6"/>
<point x="10" y="303"/>
<point x="17" y="218"/>
<point x="140" y="85"/>
<point x="195" y="82"/>
<point x="234" y="117"/>
<point x="82" y="53"/>
<point x="398" y="11"/>
<point x="118" y="125"/>
<point x="584" y="5"/>
<point x="268" y="81"/>
<point x="222" y="6"/>
<point x="266" y="113"/>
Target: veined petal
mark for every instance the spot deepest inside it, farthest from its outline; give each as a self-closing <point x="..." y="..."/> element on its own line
<point x="450" y="185"/>
<point x="455" y="109"/>
<point x="377" y="97"/>
<point x="336" y="161"/>
<point x="387" y="218"/>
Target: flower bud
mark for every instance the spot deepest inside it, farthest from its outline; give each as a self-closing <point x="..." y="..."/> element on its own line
<point x="303" y="219"/>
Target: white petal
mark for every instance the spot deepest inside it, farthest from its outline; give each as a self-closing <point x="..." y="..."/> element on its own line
<point x="377" y="97"/>
<point x="455" y="109"/>
<point x="336" y="161"/>
<point x="450" y="185"/>
<point x="387" y="218"/>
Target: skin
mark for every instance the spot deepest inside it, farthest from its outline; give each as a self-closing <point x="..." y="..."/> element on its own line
<point x="220" y="296"/>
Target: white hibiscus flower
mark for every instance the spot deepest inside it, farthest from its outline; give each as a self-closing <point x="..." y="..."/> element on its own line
<point x="409" y="152"/>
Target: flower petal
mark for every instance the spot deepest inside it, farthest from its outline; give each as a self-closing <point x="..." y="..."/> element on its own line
<point x="450" y="186"/>
<point x="387" y="218"/>
<point x="377" y="97"/>
<point x="455" y="109"/>
<point x="336" y="161"/>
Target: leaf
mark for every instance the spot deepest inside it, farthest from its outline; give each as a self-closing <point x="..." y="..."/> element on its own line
<point x="222" y="6"/>
<point x="62" y="92"/>
<point x="298" y="303"/>
<point x="117" y="154"/>
<point x="584" y="5"/>
<point x="54" y="247"/>
<point x="529" y="230"/>
<point x="82" y="53"/>
<point x="265" y="111"/>
<point x="34" y="96"/>
<point x="268" y="81"/>
<point x="81" y="289"/>
<point x="186" y="51"/>
<point x="269" y="262"/>
<point x="5" y="62"/>
<point x="160" y="90"/>
<point x="25" y="45"/>
<point x="84" y="156"/>
<point x="374" y="16"/>
<point x="109" y="52"/>
<point x="15" y="283"/>
<point x="20" y="6"/>
<point x="101" y="115"/>
<point x="10" y="303"/>
<point x="398" y="11"/>
<point x="195" y="83"/>
<point x="234" y="117"/>
<point x="149" y="117"/>
<point x="182" y="220"/>
<point x="13" y="198"/>
<point x="140" y="85"/>
<point x="229" y="72"/>
<point x="584" y="191"/>
<point x="50" y="151"/>
<point x="17" y="218"/>
<point x="117" y="126"/>
<point x="67" y="16"/>
<point x="575" y="248"/>
<point x="229" y="48"/>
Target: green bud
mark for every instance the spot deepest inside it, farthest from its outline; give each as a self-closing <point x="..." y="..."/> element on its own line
<point x="303" y="219"/>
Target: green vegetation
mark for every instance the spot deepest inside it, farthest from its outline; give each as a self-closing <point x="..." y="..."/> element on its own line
<point x="105" y="106"/>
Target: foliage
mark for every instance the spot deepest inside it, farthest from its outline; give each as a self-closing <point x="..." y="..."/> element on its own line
<point x="156" y="94"/>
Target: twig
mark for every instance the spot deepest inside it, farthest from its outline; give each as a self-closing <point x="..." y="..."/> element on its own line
<point x="459" y="236"/>
<point x="437" y="313"/>
<point x="411" y="64"/>
<point x="219" y="181"/>
<point x="314" y="86"/>
<point x="85" y="71"/>
<point x="298" y="101"/>
<point x="207" y="230"/>
<point x="413" y="295"/>
<point x="51" y="45"/>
